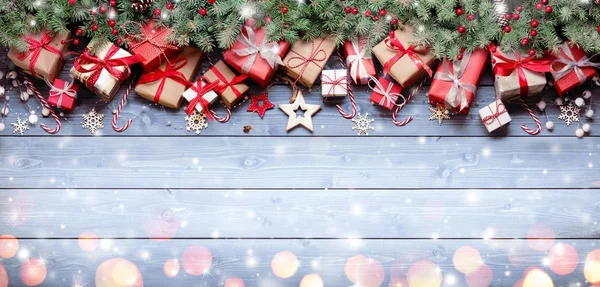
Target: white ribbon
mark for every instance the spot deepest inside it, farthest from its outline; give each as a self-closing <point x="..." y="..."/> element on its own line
<point x="267" y="50"/>
<point x="572" y="64"/>
<point x="66" y="90"/>
<point x="358" y="71"/>
<point x="457" y="96"/>
<point x="386" y="93"/>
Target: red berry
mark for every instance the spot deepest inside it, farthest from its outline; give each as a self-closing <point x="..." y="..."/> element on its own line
<point x="94" y="27"/>
<point x="284" y="10"/>
<point x="112" y="23"/>
<point x="392" y="34"/>
<point x="119" y="41"/>
<point x="534" y="23"/>
<point x="533" y="33"/>
<point x="347" y="9"/>
<point x="72" y="2"/>
<point x="493" y="61"/>
<point x="519" y="8"/>
<point x="368" y="13"/>
<point x="170" y="6"/>
<point x="102" y="9"/>
<point x="375" y="18"/>
<point x="459" y="11"/>
<point x="506" y="16"/>
<point x="462" y="50"/>
<point x="548" y="9"/>
<point x="211" y="2"/>
<point x="531" y="52"/>
<point x="461" y="29"/>
<point x="470" y="17"/>
<point x="113" y="3"/>
<point x="545" y="2"/>
<point x="76" y="41"/>
<point x="382" y="12"/>
<point x="516" y="16"/>
<point x="115" y="32"/>
<point x="459" y="57"/>
<point x="354" y="11"/>
<point x="267" y="19"/>
<point x="539" y="6"/>
<point x="62" y="42"/>
<point x="525" y="41"/>
<point x="79" y="32"/>
<point x="157" y="11"/>
<point x="507" y="29"/>
<point x="202" y="12"/>
<point x="394" y="21"/>
<point x="598" y="28"/>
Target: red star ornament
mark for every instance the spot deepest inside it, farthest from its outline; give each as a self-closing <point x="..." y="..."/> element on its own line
<point x="260" y="104"/>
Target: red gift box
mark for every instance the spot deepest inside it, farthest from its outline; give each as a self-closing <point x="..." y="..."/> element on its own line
<point x="572" y="68"/>
<point x="252" y="54"/>
<point x="152" y="46"/>
<point x="385" y="92"/>
<point x="455" y="82"/>
<point x="63" y="94"/>
<point x="359" y="62"/>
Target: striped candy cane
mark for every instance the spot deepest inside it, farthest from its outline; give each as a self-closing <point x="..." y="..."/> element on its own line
<point x="30" y="86"/>
<point x="350" y="93"/>
<point x="118" y="111"/>
<point x="398" y="108"/>
<point x="220" y="119"/>
<point x="535" y="119"/>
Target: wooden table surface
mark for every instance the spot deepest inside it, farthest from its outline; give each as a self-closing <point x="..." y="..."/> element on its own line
<point x="406" y="198"/>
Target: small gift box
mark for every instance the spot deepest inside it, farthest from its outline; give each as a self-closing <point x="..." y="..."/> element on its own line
<point x="62" y="94"/>
<point x="406" y="63"/>
<point x="455" y="82"/>
<point x="44" y="55"/>
<point x="152" y="45"/>
<point x="306" y="60"/>
<point x="253" y="55"/>
<point x="334" y="83"/>
<point x="166" y="83"/>
<point x="494" y="115"/>
<point x="104" y="71"/>
<point x="385" y="92"/>
<point x="200" y="96"/>
<point x="518" y="75"/>
<point x="230" y="86"/>
<point x="572" y="68"/>
<point x="359" y="62"/>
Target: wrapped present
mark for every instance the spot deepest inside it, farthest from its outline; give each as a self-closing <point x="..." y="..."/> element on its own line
<point x="170" y="80"/>
<point x="62" y="94"/>
<point x="455" y="82"/>
<point x="200" y="96"/>
<point x="152" y="45"/>
<point x="517" y="75"/>
<point x="404" y="62"/>
<point x="230" y="86"/>
<point x="306" y="60"/>
<point x="572" y="68"/>
<point x="334" y="83"/>
<point x="359" y="62"/>
<point x="44" y="55"/>
<point x="253" y="55"/>
<point x="385" y="92"/>
<point x="104" y="71"/>
<point x="494" y="115"/>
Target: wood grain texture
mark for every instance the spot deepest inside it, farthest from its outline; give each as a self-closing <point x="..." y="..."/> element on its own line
<point x="492" y="213"/>
<point x="288" y="163"/>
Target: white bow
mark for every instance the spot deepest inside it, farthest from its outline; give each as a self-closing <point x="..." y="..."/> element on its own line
<point x="457" y="96"/>
<point x="66" y="90"/>
<point x="386" y="93"/>
<point x="358" y="72"/>
<point x="267" y="50"/>
<point x="572" y="64"/>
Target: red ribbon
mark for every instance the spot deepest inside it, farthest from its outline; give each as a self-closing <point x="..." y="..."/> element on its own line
<point x="170" y="72"/>
<point x="224" y="84"/>
<point x="149" y="37"/>
<point x="500" y="109"/>
<point x="337" y="81"/>
<point x="199" y="99"/>
<point x="509" y="66"/>
<point x="316" y="55"/>
<point x="35" y="48"/>
<point x="106" y="63"/>
<point x="394" y="44"/>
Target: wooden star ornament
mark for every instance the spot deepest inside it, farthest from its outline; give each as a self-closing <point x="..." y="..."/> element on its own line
<point x="309" y="111"/>
<point x="260" y="104"/>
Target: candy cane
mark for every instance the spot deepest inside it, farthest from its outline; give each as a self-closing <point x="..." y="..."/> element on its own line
<point x="350" y="94"/>
<point x="535" y="119"/>
<point x="118" y="111"/>
<point x="220" y="119"/>
<point x="399" y="107"/>
<point x="30" y="86"/>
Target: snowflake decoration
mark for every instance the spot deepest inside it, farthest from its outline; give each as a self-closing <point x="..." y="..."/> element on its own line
<point x="569" y="113"/>
<point x="363" y="124"/>
<point x="196" y="122"/>
<point x="20" y="126"/>
<point x="439" y="113"/>
<point x="92" y="121"/>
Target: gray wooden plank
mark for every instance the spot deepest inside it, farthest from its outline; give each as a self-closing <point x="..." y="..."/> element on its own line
<point x="389" y="260"/>
<point x="281" y="162"/>
<point x="135" y="213"/>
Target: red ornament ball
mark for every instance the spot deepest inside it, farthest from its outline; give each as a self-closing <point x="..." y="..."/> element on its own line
<point x="62" y="42"/>
<point x="470" y="17"/>
<point x="525" y="41"/>
<point x="102" y="9"/>
<point x="392" y="34"/>
<point x="79" y="32"/>
<point x="76" y="41"/>
<point x="533" y="33"/>
<point x="394" y="21"/>
<point x="113" y="3"/>
<point x="284" y="10"/>
<point x="519" y="8"/>
<point x="368" y="13"/>
<point x="534" y="23"/>
<point x="375" y="18"/>
<point x="157" y="11"/>
<point x="548" y="9"/>
<point x="202" y="12"/>
<point x="493" y="61"/>
<point x="507" y="29"/>
<point x="459" y="57"/>
<point x="354" y="11"/>
<point x="211" y="2"/>
<point x="347" y="9"/>
<point x="462" y="50"/>
<point x="516" y="16"/>
<point x="506" y="16"/>
<point x="72" y="2"/>
<point x="539" y="6"/>
<point x="382" y="12"/>
<point x="115" y="32"/>
<point x="598" y="28"/>
<point x="169" y="6"/>
<point x="112" y="23"/>
<point x="531" y="52"/>
<point x="459" y="11"/>
<point x="461" y="29"/>
<point x="267" y="19"/>
<point x="545" y="2"/>
<point x="94" y="27"/>
<point x="119" y="41"/>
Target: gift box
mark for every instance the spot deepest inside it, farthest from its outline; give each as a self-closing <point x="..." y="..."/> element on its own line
<point x="572" y="68"/>
<point x="253" y="55"/>
<point x="494" y="115"/>
<point x="334" y="83"/>
<point x="44" y="55"/>
<point x="230" y="86"/>
<point x="200" y="96"/>
<point x="152" y="45"/>
<point x="359" y="61"/>
<point x="406" y="63"/>
<point x="104" y="70"/>
<point x="385" y="92"/>
<point x="62" y="94"/>
<point x="518" y="75"/>
<point x="455" y="82"/>
<point x="170" y="80"/>
<point x="306" y="60"/>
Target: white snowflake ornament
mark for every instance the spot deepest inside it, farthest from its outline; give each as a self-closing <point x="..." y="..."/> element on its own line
<point x="92" y="121"/>
<point x="20" y="126"/>
<point x="363" y="124"/>
<point x="439" y="113"/>
<point x="569" y="113"/>
<point x="196" y="122"/>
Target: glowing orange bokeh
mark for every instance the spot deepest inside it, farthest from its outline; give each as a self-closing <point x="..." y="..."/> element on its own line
<point x="424" y="273"/>
<point x="171" y="268"/>
<point x="284" y="264"/>
<point x="88" y="241"/>
<point x="538" y="231"/>
<point x="9" y="245"/>
<point x="196" y="260"/>
<point x="33" y="272"/>
<point x="563" y="259"/>
<point x="363" y="271"/>
<point x="118" y="272"/>
<point x="311" y="280"/>
<point x="591" y="270"/>
<point x="480" y="278"/>
<point x="466" y="259"/>
<point x="3" y="276"/>
<point x="537" y="278"/>
<point x="234" y="282"/>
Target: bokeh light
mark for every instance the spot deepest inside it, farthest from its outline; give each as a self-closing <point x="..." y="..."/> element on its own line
<point x="284" y="264"/>
<point x="33" y="272"/>
<point x="118" y="272"/>
<point x="196" y="260"/>
<point x="311" y="280"/>
<point x="363" y="271"/>
<point x="591" y="269"/>
<point x="161" y="227"/>
<point x="88" y="241"/>
<point x="466" y="259"/>
<point x="171" y="268"/>
<point x="537" y="278"/>
<point x="537" y="231"/>
<point x="398" y="282"/>
<point x="3" y="276"/>
<point x="480" y="278"/>
<point x="563" y="259"/>
<point x="9" y="245"/>
<point x="424" y="273"/>
<point x="234" y="282"/>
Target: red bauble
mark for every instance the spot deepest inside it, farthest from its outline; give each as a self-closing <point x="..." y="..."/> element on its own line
<point x="493" y="61"/>
<point x="516" y="16"/>
<point x="459" y="11"/>
<point x="211" y="2"/>
<point x="169" y="6"/>
<point x="284" y="10"/>
<point x="368" y="13"/>
<point x="79" y="32"/>
<point x="119" y="41"/>
<point x="113" y="3"/>
<point x="76" y="41"/>
<point x="519" y="8"/>
<point x="72" y="2"/>
<point x="507" y="16"/>
<point x="62" y="42"/>
<point x="94" y="27"/>
<point x="539" y="6"/>
<point x="354" y="11"/>
<point x="459" y="57"/>
<point x="112" y="23"/>
<point x="545" y="2"/>
<point x="507" y="29"/>
<point x="531" y="52"/>
<point x="392" y="34"/>
<point x="394" y="21"/>
<point x="598" y="28"/>
<point x="115" y="32"/>
<point x="267" y="19"/>
<point x="202" y="12"/>
<point x="470" y="17"/>
<point x="102" y="9"/>
<point x="461" y="29"/>
<point x="525" y="41"/>
<point x="375" y="18"/>
<point x="347" y="9"/>
<point x="534" y="23"/>
<point x="548" y="9"/>
<point x="382" y="12"/>
<point x="157" y="11"/>
<point x="533" y="33"/>
<point x="462" y="50"/>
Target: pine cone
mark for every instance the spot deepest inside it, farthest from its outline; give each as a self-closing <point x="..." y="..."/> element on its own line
<point x="140" y="6"/>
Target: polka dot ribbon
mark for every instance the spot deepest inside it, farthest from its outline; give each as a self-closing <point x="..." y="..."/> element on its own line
<point x="35" y="49"/>
<point x="395" y="45"/>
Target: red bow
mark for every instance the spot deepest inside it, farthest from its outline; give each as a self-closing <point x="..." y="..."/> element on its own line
<point x="500" y="109"/>
<point x="107" y="63"/>
<point x="199" y="99"/>
<point x="35" y="48"/>
<point x="220" y="89"/>
<point x="170" y="72"/>
<point x="394" y="44"/>
<point x="509" y="66"/>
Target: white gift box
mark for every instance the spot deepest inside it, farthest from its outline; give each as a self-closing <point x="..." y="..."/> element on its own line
<point x="334" y="83"/>
<point x="494" y="115"/>
<point x="211" y="97"/>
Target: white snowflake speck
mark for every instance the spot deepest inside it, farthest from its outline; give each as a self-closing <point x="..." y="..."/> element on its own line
<point x="363" y="124"/>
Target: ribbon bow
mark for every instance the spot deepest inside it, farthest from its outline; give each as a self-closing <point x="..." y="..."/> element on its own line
<point x="395" y="45"/>
<point x="500" y="109"/>
<point x="335" y="82"/>
<point x="514" y="62"/>
<point x="199" y="99"/>
<point x="358" y="71"/>
<point x="150" y="38"/>
<point x="66" y="90"/>
<point x="267" y="50"/>
<point x="105" y="63"/>
<point x="570" y="64"/>
<point x="35" y="48"/>
<point x="224" y="83"/>
<point x="387" y="96"/>
<point x="171" y="71"/>
<point x="316" y="55"/>
<point x="457" y="96"/>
